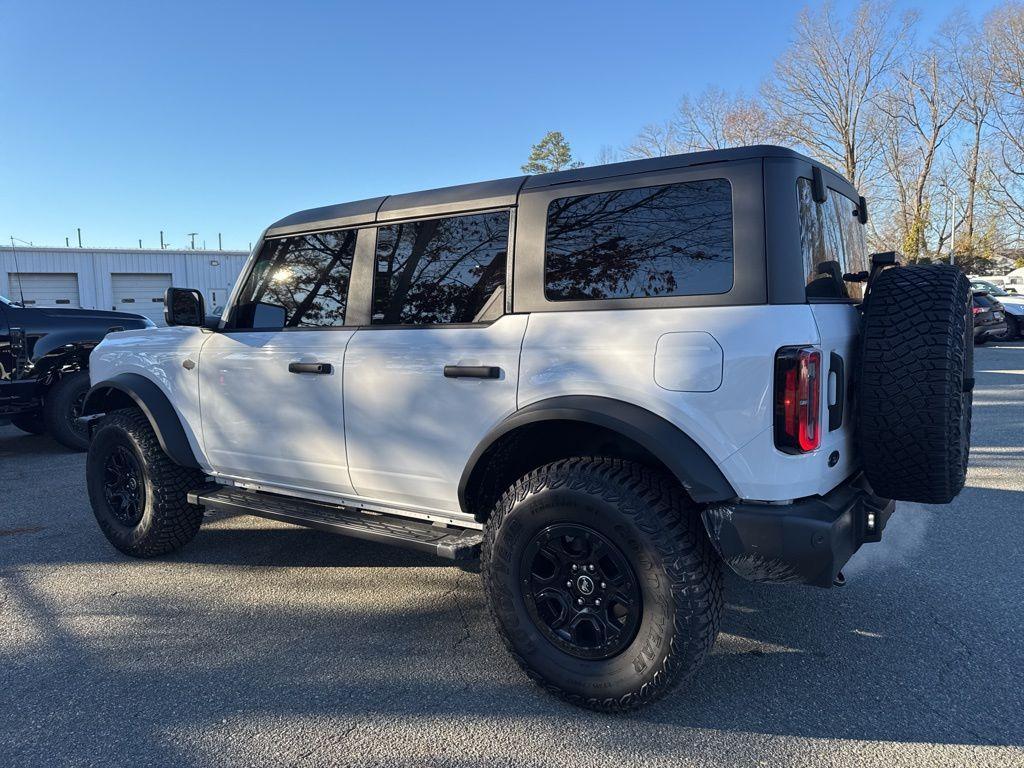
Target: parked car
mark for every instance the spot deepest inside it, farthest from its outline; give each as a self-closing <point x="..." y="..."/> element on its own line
<point x="989" y="318"/>
<point x="611" y="382"/>
<point x="44" y="355"/>
<point x="1012" y="307"/>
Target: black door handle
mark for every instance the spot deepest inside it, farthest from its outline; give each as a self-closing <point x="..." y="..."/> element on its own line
<point x="472" y="372"/>
<point x="310" y="368"/>
<point x="837" y="366"/>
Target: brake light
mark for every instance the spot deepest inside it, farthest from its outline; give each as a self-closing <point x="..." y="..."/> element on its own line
<point x="797" y="399"/>
<point x="977" y="310"/>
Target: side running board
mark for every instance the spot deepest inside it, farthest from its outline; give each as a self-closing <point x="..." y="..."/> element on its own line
<point x="451" y="543"/>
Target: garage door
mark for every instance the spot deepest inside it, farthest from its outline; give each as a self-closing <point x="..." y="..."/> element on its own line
<point x="141" y="294"/>
<point x="45" y="289"/>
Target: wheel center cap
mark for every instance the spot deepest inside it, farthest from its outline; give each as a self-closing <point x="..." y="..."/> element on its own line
<point x="585" y="585"/>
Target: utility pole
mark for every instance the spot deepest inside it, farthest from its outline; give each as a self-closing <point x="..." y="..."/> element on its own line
<point x="193" y="236"/>
<point x="79" y="237"/>
<point x="67" y="242"/>
<point x="140" y="243"/>
<point x="162" y="246"/>
<point x="220" y="245"/>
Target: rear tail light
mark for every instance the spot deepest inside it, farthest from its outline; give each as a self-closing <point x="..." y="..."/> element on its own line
<point x="797" y="399"/>
<point x="977" y="310"/>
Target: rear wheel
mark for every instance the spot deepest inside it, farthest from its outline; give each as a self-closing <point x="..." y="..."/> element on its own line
<point x="914" y="388"/>
<point x="602" y="582"/>
<point x="137" y="493"/>
<point x="29" y="422"/>
<point x="63" y="406"/>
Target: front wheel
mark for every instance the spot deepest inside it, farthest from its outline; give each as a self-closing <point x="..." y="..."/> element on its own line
<point x="63" y="406"/>
<point x="602" y="582"/>
<point x="137" y="493"/>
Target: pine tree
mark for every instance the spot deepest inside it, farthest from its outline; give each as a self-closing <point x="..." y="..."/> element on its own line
<point x="552" y="153"/>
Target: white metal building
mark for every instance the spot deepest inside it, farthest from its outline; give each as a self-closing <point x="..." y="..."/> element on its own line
<point x="128" y="280"/>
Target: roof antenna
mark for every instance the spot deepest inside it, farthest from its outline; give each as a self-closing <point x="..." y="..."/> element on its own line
<point x="17" y="269"/>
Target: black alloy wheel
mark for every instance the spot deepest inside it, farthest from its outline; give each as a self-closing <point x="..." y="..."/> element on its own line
<point x="580" y="591"/>
<point x="123" y="486"/>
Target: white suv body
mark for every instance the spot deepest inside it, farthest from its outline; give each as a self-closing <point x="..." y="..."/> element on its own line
<point x="607" y="382"/>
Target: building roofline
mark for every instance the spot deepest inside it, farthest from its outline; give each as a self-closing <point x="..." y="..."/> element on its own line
<point x="89" y="249"/>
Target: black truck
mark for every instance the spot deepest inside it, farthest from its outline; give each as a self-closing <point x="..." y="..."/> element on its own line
<point x="44" y="365"/>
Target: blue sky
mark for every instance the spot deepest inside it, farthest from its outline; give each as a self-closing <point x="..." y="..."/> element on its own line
<point x="128" y="118"/>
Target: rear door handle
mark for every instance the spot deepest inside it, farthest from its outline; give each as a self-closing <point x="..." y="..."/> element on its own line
<point x="472" y="372"/>
<point x="310" y="368"/>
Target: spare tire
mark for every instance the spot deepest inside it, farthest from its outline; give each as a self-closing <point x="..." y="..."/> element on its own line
<point x="914" y="385"/>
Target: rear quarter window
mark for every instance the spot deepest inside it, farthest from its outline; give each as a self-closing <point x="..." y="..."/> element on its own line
<point x="830" y="232"/>
<point x="671" y="240"/>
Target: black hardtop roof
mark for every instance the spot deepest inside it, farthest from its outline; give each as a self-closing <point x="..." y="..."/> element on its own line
<point x="504" y="192"/>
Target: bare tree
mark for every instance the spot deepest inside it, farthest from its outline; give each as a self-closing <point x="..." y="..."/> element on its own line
<point x="921" y="106"/>
<point x="962" y="47"/>
<point x="1004" y="46"/>
<point x="712" y="120"/>
<point x="826" y="83"/>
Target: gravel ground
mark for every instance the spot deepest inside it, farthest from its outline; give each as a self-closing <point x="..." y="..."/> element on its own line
<point x="265" y="644"/>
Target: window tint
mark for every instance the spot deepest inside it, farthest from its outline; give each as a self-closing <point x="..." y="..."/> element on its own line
<point x="653" y="241"/>
<point x="299" y="282"/>
<point x="441" y="270"/>
<point x="830" y="231"/>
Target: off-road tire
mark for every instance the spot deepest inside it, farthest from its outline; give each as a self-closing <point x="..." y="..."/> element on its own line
<point x="656" y="525"/>
<point x="30" y="422"/>
<point x="168" y="521"/>
<point x="61" y="409"/>
<point x="914" y="384"/>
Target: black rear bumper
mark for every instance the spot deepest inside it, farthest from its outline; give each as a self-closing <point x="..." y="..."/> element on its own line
<point x="806" y="541"/>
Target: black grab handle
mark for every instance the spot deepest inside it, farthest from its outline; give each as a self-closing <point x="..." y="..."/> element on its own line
<point x="835" y="412"/>
<point x="472" y="372"/>
<point x="310" y="368"/>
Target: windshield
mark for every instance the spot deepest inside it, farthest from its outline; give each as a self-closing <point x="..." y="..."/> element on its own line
<point x="992" y="288"/>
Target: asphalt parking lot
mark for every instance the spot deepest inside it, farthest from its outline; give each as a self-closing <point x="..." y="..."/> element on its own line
<point x="265" y="644"/>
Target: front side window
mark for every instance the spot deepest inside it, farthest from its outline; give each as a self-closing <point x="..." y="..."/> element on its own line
<point x="830" y="232"/>
<point x="299" y="282"/>
<point x="673" y="240"/>
<point x="440" y="271"/>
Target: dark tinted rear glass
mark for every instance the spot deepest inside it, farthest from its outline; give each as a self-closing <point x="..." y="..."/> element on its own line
<point x="652" y="241"/>
<point x="830" y="231"/>
<point x="983" y="300"/>
<point x="441" y="270"/>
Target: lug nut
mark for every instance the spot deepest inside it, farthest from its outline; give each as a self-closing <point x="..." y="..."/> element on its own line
<point x="603" y="585"/>
<point x="597" y="601"/>
<point x="590" y="567"/>
<point x="568" y="583"/>
<point x="579" y="601"/>
<point x="575" y="567"/>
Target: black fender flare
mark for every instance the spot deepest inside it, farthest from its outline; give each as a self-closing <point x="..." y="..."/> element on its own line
<point x="151" y="400"/>
<point x="687" y="461"/>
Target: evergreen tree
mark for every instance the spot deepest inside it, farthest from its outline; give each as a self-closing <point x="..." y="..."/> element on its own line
<point x="552" y="153"/>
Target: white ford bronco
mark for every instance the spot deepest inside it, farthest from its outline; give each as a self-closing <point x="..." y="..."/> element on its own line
<point x="609" y="383"/>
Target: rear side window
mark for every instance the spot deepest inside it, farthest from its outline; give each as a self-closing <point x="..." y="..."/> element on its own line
<point x="830" y="232"/>
<point x="299" y="282"/>
<point x="441" y="271"/>
<point x="673" y="240"/>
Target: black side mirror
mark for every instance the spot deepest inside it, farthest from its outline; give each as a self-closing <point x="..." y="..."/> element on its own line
<point x="184" y="306"/>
